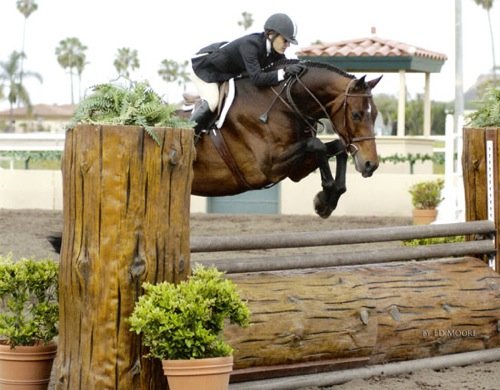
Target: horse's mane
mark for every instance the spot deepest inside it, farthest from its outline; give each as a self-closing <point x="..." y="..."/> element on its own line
<point x="309" y="64"/>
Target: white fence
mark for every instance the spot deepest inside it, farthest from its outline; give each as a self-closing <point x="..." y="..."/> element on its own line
<point x="384" y="194"/>
<point x="380" y="195"/>
<point x="31" y="141"/>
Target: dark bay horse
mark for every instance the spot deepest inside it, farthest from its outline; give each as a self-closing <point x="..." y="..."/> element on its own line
<point x="269" y="134"/>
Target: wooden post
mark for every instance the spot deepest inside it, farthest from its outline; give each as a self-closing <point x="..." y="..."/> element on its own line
<point x="126" y="221"/>
<point x="481" y="171"/>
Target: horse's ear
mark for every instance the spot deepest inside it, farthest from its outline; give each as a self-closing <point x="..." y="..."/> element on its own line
<point x="360" y="83"/>
<point x="372" y="83"/>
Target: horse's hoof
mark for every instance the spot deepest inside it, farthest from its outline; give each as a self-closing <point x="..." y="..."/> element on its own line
<point x="321" y="206"/>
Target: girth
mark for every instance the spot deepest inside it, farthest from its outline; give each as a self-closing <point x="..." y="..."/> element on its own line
<point x="226" y="155"/>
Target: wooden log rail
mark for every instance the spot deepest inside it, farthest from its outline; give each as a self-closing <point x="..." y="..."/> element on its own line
<point x="481" y="231"/>
<point x="316" y="319"/>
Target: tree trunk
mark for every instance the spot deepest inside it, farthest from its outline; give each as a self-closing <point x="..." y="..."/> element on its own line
<point x="373" y="313"/>
<point x="126" y="221"/>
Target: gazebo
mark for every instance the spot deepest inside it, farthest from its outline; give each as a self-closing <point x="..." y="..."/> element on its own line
<point x="375" y="54"/>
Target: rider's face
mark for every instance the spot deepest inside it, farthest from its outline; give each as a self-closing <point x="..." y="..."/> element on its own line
<point x="280" y="44"/>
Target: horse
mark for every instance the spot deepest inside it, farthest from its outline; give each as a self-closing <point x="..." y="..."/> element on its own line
<point x="269" y="134"/>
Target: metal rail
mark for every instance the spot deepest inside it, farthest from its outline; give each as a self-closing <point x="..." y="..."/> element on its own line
<point x="373" y="256"/>
<point x="337" y="377"/>
<point x="480" y="229"/>
<point x="337" y="237"/>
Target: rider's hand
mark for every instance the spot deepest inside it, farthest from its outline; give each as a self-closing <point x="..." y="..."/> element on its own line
<point x="293" y="70"/>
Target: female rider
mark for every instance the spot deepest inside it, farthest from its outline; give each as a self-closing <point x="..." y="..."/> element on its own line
<point x="249" y="54"/>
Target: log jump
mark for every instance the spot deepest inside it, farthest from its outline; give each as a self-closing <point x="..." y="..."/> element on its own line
<point x="126" y="220"/>
<point x="337" y="309"/>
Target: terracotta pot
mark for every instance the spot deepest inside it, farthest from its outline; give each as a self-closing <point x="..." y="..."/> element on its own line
<point x="424" y="216"/>
<point x="26" y="367"/>
<point x="195" y="374"/>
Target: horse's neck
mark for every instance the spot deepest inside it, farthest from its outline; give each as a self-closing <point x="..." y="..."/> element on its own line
<point x="326" y="86"/>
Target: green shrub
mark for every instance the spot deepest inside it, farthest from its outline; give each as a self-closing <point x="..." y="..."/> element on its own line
<point x="434" y="240"/>
<point x="185" y="320"/>
<point x="29" y="309"/>
<point x="426" y="194"/>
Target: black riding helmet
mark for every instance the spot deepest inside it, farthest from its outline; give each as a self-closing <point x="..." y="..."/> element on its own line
<point x="283" y="25"/>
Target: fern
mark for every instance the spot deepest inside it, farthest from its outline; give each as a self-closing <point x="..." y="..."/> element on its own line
<point x="138" y="105"/>
<point x="488" y="113"/>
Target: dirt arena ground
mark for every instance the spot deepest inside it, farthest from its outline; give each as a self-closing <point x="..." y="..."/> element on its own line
<point x="24" y="234"/>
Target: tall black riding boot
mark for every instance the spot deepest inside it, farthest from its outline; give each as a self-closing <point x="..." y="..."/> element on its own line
<point x="201" y="116"/>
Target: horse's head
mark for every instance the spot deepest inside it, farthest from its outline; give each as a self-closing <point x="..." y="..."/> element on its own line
<point x="329" y="91"/>
<point x="353" y="114"/>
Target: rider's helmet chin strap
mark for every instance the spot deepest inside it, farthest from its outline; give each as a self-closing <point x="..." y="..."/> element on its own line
<point x="271" y="37"/>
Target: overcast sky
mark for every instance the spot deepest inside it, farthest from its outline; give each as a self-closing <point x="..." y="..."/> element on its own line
<point x="160" y="29"/>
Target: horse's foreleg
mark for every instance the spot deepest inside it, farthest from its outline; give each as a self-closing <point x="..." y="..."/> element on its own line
<point x="336" y="148"/>
<point x="326" y="201"/>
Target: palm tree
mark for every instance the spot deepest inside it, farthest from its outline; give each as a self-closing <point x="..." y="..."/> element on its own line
<point x="247" y="20"/>
<point x="487" y="5"/>
<point x="171" y="71"/>
<point x="71" y="55"/>
<point x="26" y="7"/>
<point x="126" y="60"/>
<point x="80" y="66"/>
<point x="10" y="74"/>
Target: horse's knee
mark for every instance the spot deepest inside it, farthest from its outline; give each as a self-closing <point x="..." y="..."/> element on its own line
<point x="336" y="148"/>
<point x="315" y="145"/>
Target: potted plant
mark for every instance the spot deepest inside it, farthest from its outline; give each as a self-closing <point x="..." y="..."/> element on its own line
<point x="425" y="197"/>
<point x="29" y="315"/>
<point x="182" y="325"/>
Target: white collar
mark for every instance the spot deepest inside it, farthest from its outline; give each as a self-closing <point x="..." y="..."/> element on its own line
<point x="268" y="46"/>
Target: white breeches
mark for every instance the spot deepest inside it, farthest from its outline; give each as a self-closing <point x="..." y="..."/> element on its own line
<point x="207" y="91"/>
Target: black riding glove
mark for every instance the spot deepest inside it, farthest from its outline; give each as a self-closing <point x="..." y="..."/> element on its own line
<point x="293" y="70"/>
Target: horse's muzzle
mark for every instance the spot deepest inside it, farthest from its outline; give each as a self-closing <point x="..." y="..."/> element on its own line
<point x="369" y="168"/>
<point x="365" y="167"/>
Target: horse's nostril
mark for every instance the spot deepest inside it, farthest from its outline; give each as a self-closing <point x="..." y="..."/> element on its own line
<point x="370" y="166"/>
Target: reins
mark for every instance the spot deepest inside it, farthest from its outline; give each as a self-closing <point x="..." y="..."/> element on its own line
<point x="311" y="122"/>
<point x="352" y="148"/>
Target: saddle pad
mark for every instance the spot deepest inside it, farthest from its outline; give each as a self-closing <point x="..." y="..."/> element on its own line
<point x="228" y="101"/>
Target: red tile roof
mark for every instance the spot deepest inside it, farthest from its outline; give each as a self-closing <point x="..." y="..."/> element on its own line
<point x="43" y="110"/>
<point x="369" y="47"/>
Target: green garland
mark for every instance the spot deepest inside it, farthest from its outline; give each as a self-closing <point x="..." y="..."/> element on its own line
<point x="42" y="155"/>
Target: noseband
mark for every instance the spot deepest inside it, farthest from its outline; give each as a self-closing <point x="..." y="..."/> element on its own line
<point x="311" y="122"/>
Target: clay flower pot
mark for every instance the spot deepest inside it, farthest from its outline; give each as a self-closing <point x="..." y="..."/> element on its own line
<point x="194" y="374"/>
<point x="424" y="216"/>
<point x="26" y="367"/>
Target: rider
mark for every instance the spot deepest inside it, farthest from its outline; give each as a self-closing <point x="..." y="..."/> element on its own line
<point x="224" y="60"/>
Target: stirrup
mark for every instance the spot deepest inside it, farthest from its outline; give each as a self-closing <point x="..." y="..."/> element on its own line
<point x="199" y="134"/>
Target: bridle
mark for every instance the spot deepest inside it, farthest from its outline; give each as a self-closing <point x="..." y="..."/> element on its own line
<point x="349" y="142"/>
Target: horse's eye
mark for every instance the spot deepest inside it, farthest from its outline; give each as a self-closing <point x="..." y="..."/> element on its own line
<point x="357" y="115"/>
